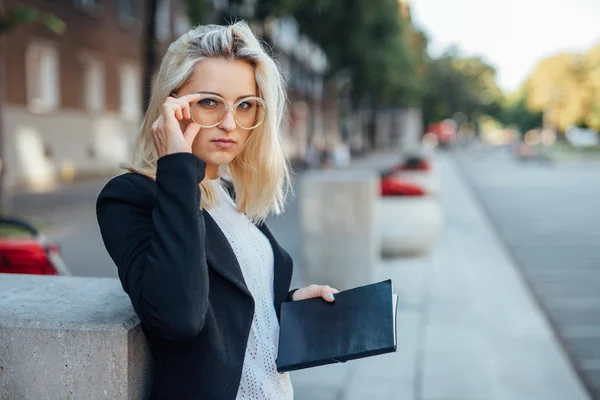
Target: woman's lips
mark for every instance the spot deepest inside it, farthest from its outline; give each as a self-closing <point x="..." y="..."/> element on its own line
<point x="224" y="143"/>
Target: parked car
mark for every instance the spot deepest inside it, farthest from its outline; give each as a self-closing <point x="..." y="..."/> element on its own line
<point x="582" y="137"/>
<point x="25" y="250"/>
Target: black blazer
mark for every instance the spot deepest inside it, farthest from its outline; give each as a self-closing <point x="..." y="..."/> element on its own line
<point x="183" y="278"/>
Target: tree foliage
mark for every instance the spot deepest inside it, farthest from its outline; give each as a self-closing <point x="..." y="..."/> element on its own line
<point x="567" y="88"/>
<point x="18" y="15"/>
<point x="458" y="84"/>
<point x="515" y="112"/>
<point x="197" y="10"/>
<point x="364" y="40"/>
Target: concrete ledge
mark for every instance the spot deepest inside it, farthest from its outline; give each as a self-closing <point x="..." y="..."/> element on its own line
<point x="70" y="338"/>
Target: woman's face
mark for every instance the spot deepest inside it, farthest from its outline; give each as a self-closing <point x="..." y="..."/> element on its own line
<point x="232" y="80"/>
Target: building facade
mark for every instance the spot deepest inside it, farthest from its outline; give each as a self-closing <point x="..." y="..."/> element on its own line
<point x="72" y="101"/>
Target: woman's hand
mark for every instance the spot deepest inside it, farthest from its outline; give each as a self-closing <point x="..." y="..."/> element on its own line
<point x="166" y="130"/>
<point x="311" y="291"/>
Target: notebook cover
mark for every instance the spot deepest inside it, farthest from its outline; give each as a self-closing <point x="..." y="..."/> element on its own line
<point x="361" y="322"/>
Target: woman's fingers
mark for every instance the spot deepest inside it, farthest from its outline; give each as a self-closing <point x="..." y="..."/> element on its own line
<point x="168" y="137"/>
<point x="172" y="109"/>
<point x="191" y="132"/>
<point x="184" y="102"/>
<point x="167" y="130"/>
<point x="328" y="293"/>
<point x="190" y="98"/>
<point x="312" y="291"/>
<point x="181" y="108"/>
<point x="157" y="135"/>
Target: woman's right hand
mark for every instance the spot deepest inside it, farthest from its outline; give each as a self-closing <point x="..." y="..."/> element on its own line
<point x="166" y="130"/>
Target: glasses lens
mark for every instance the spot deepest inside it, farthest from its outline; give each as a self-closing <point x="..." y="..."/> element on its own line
<point x="250" y="113"/>
<point x="208" y="111"/>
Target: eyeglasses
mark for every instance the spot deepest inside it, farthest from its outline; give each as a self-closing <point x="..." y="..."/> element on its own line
<point x="211" y="110"/>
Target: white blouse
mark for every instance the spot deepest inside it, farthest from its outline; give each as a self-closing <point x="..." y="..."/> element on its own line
<point x="260" y="379"/>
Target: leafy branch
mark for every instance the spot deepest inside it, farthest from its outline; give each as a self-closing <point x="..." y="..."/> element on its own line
<point x="21" y="15"/>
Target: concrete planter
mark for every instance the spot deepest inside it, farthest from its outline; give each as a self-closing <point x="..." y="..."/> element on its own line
<point x="428" y="180"/>
<point x="338" y="221"/>
<point x="409" y="225"/>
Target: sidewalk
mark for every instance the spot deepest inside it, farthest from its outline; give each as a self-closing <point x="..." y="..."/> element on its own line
<point x="468" y="329"/>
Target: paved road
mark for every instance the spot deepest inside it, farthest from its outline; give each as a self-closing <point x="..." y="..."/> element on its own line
<point x="67" y="215"/>
<point x="549" y="217"/>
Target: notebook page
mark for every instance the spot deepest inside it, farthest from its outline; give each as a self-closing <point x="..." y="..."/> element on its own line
<point x="394" y="304"/>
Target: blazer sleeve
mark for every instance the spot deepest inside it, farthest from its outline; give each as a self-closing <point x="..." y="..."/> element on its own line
<point x="159" y="251"/>
<point x="291" y="294"/>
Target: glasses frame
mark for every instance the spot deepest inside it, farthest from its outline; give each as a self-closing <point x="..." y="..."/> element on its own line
<point x="228" y="108"/>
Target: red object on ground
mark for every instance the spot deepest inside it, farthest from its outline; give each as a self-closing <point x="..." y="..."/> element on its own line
<point x="25" y="256"/>
<point x="391" y="186"/>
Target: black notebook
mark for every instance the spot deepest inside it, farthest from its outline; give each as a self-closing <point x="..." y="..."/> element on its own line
<point x="361" y="322"/>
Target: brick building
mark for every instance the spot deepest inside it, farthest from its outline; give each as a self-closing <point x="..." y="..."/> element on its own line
<point x="73" y="101"/>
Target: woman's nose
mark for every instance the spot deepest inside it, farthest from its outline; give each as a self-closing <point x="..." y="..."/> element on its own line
<point x="228" y="124"/>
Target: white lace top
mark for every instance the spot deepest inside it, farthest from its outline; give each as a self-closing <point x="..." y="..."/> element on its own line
<point x="260" y="379"/>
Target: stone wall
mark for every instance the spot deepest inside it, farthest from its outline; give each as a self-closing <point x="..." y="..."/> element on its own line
<point x="70" y="338"/>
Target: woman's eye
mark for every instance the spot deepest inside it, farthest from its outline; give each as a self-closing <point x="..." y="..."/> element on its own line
<point x="207" y="103"/>
<point x="246" y="105"/>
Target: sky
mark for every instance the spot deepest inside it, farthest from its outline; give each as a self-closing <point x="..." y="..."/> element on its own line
<point x="512" y="35"/>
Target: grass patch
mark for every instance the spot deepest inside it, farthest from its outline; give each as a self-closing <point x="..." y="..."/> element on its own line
<point x="12" y="231"/>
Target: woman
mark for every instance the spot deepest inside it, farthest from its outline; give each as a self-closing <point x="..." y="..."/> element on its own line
<point x="202" y="270"/>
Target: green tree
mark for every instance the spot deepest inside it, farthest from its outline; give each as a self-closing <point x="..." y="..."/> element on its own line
<point x="18" y="15"/>
<point x="197" y="10"/>
<point x="266" y="9"/>
<point x="366" y="44"/>
<point x="363" y="39"/>
<point x="515" y="112"/>
<point x="460" y="84"/>
<point x="566" y="88"/>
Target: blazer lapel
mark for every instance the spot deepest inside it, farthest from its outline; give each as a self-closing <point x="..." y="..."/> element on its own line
<point x="220" y="255"/>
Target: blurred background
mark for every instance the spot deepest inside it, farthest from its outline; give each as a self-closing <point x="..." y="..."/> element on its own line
<point x="509" y="90"/>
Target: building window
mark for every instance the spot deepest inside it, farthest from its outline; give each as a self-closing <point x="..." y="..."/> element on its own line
<point x="93" y="84"/>
<point x="42" y="71"/>
<point x="128" y="10"/>
<point x="87" y="4"/>
<point x="130" y="92"/>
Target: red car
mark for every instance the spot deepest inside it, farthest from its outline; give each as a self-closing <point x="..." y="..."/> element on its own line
<point x="27" y="251"/>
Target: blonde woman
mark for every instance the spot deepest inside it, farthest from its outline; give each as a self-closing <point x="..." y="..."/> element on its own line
<point x="203" y="272"/>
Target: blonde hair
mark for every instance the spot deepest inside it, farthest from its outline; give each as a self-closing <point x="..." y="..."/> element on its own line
<point x="260" y="173"/>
